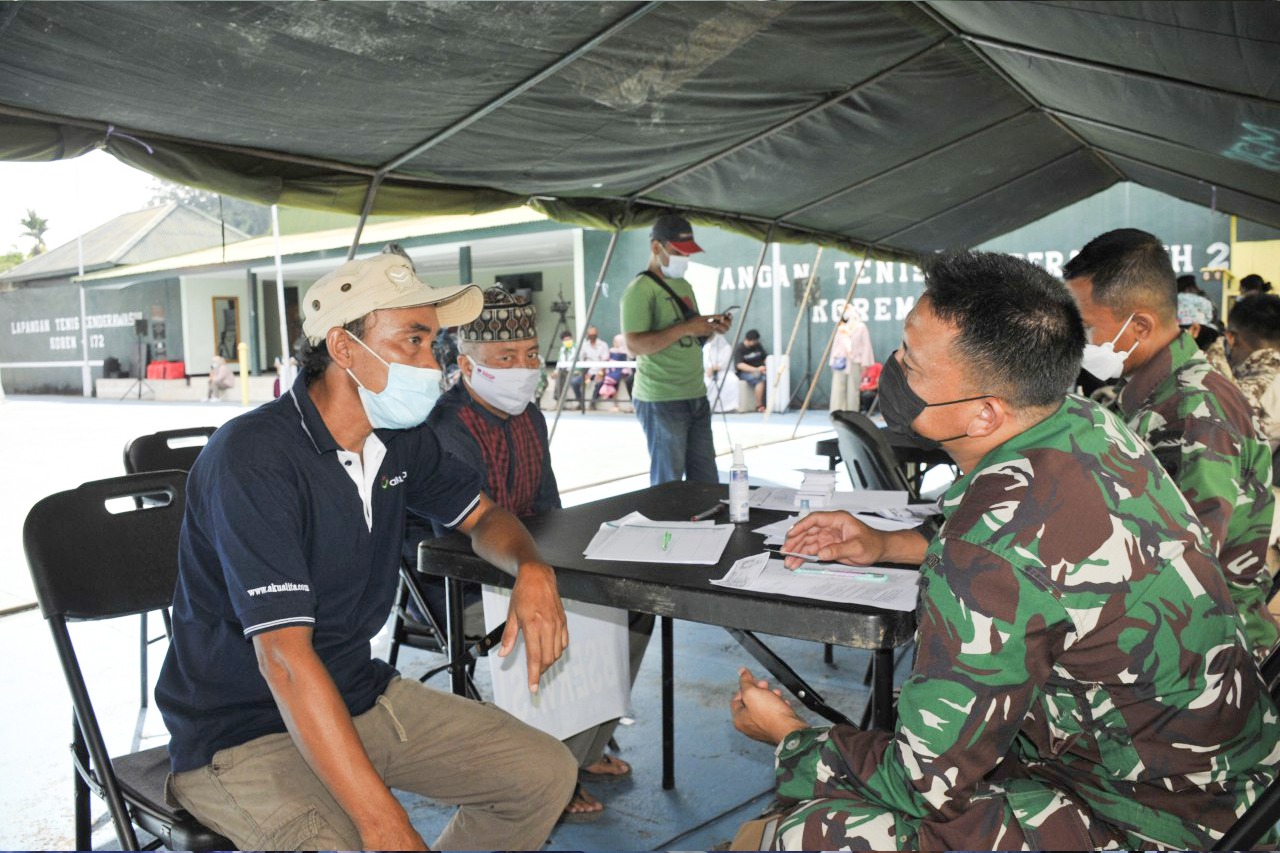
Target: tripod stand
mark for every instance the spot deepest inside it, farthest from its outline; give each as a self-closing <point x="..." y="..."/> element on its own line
<point x="561" y="309"/>
<point x="140" y="382"/>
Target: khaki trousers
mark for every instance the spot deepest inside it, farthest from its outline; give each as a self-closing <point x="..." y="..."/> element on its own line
<point x="511" y="782"/>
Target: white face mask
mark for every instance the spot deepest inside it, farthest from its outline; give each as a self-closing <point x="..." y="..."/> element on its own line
<point x="1103" y="361"/>
<point x="509" y="389"/>
<point x="675" y="267"/>
<point x="410" y="394"/>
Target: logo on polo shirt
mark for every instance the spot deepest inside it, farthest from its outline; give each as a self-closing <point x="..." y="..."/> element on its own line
<point x="278" y="587"/>
<point x="387" y="483"/>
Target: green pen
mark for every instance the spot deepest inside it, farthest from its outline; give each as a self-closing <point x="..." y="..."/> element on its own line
<point x="873" y="577"/>
<point x="666" y="540"/>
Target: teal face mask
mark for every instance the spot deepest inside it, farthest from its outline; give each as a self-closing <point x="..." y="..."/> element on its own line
<point x="410" y="394"/>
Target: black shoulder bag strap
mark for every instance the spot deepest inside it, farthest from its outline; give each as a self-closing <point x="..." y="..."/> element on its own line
<point x="685" y="311"/>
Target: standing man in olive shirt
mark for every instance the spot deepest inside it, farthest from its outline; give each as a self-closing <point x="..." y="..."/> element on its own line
<point x="662" y="326"/>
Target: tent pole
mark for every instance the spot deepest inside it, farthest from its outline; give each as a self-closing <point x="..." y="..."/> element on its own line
<point x="742" y="322"/>
<point x="285" y="374"/>
<point x="826" y="351"/>
<point x="86" y="379"/>
<point x="795" y="327"/>
<point x="577" y="349"/>
<point x="369" y="196"/>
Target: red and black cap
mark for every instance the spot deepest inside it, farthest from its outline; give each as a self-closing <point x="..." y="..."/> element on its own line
<point x="676" y="231"/>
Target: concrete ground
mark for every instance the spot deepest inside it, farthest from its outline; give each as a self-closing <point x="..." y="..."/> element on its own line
<point x="722" y="778"/>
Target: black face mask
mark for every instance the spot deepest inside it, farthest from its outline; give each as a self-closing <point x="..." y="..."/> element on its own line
<point x="901" y="406"/>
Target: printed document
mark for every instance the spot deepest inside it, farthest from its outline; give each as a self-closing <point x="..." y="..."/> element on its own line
<point x="589" y="684"/>
<point x="637" y="539"/>
<point x="763" y="573"/>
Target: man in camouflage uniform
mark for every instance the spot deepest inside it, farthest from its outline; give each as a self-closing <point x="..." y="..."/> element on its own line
<point x="1254" y="336"/>
<point x="1081" y="680"/>
<point x="1193" y="417"/>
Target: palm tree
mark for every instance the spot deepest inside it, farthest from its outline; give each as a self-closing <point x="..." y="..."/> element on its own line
<point x="36" y="226"/>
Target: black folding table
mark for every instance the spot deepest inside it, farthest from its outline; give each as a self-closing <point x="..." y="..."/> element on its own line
<point x="680" y="592"/>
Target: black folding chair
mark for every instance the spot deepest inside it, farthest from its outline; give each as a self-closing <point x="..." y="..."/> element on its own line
<point x="420" y="628"/>
<point x="1264" y="814"/>
<point x="868" y="455"/>
<point x="169" y="450"/>
<point x="106" y="549"/>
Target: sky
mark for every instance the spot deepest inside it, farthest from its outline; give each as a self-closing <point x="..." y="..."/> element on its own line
<point x="73" y="195"/>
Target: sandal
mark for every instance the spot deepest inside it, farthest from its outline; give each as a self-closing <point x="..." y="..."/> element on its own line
<point x="580" y="795"/>
<point x="619" y="769"/>
<point x="759" y="408"/>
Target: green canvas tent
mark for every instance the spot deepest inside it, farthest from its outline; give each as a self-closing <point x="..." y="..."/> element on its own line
<point x="892" y="128"/>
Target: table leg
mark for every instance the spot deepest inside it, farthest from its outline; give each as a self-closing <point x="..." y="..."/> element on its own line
<point x="668" y="707"/>
<point x="456" y="641"/>
<point x="786" y="676"/>
<point x="882" y="690"/>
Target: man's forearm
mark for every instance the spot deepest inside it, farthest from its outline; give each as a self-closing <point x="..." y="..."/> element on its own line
<point x="648" y="343"/>
<point x="905" y="546"/>
<point x="500" y="539"/>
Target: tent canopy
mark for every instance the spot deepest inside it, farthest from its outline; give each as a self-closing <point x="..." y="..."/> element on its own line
<point x="891" y="128"/>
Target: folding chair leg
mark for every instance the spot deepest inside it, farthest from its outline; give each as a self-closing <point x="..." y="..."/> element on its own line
<point x="142" y="662"/>
<point x="80" y="755"/>
<point x="397" y="624"/>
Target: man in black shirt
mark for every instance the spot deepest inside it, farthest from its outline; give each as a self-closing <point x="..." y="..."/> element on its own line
<point x="748" y="359"/>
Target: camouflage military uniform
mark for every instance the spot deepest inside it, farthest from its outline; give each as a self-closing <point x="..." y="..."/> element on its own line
<point x="1202" y="431"/>
<point x="1216" y="354"/>
<point x="1082" y="678"/>
<point x="1259" y="379"/>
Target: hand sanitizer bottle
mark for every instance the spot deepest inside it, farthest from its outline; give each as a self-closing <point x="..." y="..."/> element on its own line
<point x="739" y="488"/>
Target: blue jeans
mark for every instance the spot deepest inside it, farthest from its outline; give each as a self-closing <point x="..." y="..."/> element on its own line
<point x="679" y="436"/>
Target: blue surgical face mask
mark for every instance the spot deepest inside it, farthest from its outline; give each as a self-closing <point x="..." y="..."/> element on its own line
<point x="410" y="394"/>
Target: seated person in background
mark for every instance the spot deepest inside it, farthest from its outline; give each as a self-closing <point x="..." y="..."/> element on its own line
<point x="287" y="735"/>
<point x="748" y="361"/>
<point x="563" y="359"/>
<point x="619" y="376"/>
<point x="1194" y="418"/>
<point x="220" y="378"/>
<point x="1081" y="679"/>
<point x="1254" y="336"/>
<point x="1195" y="317"/>
<point x="489" y="421"/>
<point x="593" y="349"/>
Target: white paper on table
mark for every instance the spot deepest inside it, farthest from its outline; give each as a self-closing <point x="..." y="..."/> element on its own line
<point x="880" y="522"/>
<point x="778" y="497"/>
<point x="778" y="528"/>
<point x="590" y="684"/>
<point x="643" y="542"/>
<point x="763" y="573"/>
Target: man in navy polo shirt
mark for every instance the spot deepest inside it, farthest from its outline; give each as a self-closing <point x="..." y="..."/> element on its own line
<point x="286" y="733"/>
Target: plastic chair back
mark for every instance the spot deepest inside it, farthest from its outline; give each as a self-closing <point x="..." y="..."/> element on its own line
<point x="169" y="450"/>
<point x="867" y="454"/>
<point x="108" y="548"/>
